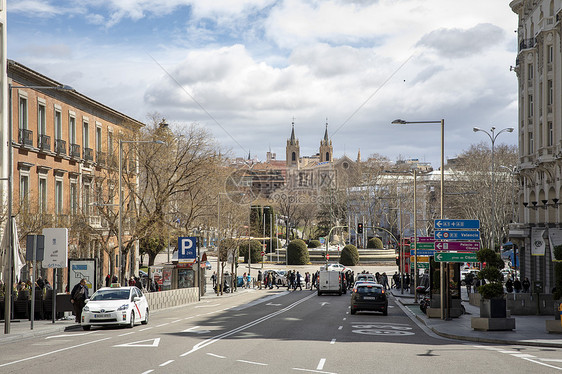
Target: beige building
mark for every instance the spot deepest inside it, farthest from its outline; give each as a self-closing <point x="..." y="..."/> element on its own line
<point x="65" y="161"/>
<point x="539" y="72"/>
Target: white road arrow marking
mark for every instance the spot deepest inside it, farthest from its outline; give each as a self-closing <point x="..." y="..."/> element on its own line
<point x="154" y="343"/>
<point x="194" y="330"/>
<point x="324" y="303"/>
<point x="67" y="335"/>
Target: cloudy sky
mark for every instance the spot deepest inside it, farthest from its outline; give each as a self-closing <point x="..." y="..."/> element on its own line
<point x="245" y="68"/>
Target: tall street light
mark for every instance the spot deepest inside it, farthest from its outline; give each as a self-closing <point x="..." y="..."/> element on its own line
<point x="9" y="282"/>
<point x="493" y="136"/>
<point x="442" y="122"/>
<point x="120" y="221"/>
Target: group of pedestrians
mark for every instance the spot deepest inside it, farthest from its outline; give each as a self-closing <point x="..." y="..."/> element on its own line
<point x="515" y="285"/>
<point x="397" y="281"/>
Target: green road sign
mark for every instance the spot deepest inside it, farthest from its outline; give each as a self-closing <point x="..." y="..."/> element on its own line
<point x="421" y="265"/>
<point x="423" y="245"/>
<point x="455" y="257"/>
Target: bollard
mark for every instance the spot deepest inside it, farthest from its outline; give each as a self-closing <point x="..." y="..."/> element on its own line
<point x="560" y="309"/>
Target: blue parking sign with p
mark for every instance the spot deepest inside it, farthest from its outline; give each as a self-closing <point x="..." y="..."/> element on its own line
<point x="187" y="247"/>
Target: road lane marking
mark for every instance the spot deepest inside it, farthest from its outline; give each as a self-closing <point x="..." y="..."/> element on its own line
<point x="542" y="363"/>
<point x="155" y="343"/>
<point x="333" y="341"/>
<point x="176" y="321"/>
<point x="523" y="355"/>
<point x="194" y="330"/>
<point x="68" y="335"/>
<point x="163" y="324"/>
<point x="148" y="371"/>
<point x="166" y="363"/>
<point x="215" y="339"/>
<point x="214" y="355"/>
<point x="146" y="328"/>
<point x="341" y="327"/>
<point x="252" y="362"/>
<point x="550" y="359"/>
<point x="206" y="306"/>
<point x="321" y="364"/>
<point x="344" y="319"/>
<point x="313" y="371"/>
<point x="50" y="353"/>
<point x="127" y="333"/>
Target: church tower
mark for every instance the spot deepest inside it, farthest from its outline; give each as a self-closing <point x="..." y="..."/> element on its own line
<point x="293" y="150"/>
<point x="326" y="150"/>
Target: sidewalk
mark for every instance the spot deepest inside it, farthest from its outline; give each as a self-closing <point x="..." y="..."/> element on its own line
<point x="529" y="330"/>
<point x="21" y="329"/>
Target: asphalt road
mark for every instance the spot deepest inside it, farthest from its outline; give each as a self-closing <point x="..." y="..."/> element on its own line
<point x="272" y="331"/>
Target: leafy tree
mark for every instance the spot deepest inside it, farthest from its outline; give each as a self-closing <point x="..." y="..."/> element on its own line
<point x="255" y="250"/>
<point x="349" y="255"/>
<point x="297" y="253"/>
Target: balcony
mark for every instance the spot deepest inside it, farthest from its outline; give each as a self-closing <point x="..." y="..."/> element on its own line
<point x="75" y="150"/>
<point x="101" y="158"/>
<point x="60" y="146"/>
<point x="88" y="154"/>
<point x="546" y="23"/>
<point x="26" y="137"/>
<point x="44" y="143"/>
<point x="527" y="43"/>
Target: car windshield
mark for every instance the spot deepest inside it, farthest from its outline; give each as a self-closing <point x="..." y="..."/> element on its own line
<point x="369" y="289"/>
<point x="111" y="295"/>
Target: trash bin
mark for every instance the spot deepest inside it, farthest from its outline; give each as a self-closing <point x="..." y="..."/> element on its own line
<point x="537" y="287"/>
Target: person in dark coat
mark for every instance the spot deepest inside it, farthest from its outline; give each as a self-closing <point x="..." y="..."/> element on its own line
<point x="517" y="285"/>
<point x="107" y="280"/>
<point x="526" y="285"/>
<point x="77" y="297"/>
<point x="509" y="286"/>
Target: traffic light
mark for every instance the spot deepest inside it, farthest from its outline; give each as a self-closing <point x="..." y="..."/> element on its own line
<point x="360" y="228"/>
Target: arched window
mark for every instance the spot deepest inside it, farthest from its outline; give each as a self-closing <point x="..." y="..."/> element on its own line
<point x="294" y="156"/>
<point x="327" y="156"/>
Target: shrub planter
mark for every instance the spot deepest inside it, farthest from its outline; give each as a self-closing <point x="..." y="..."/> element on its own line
<point x="553" y="326"/>
<point x="493" y="308"/>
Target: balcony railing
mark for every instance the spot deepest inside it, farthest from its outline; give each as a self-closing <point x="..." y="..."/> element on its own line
<point x="75" y="150"/>
<point x="26" y="137"/>
<point x="44" y="142"/>
<point x="88" y="154"/>
<point x="101" y="158"/>
<point x="60" y="146"/>
<point x="527" y="43"/>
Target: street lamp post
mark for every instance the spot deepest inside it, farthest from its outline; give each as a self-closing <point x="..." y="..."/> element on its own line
<point x="442" y="122"/>
<point x="120" y="220"/>
<point x="9" y="283"/>
<point x="493" y="136"/>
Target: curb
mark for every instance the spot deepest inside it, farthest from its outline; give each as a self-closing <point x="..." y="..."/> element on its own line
<point x="32" y="334"/>
<point x="483" y="340"/>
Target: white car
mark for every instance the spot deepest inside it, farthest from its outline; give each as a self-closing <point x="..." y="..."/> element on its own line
<point x="337" y="267"/>
<point x="115" y="306"/>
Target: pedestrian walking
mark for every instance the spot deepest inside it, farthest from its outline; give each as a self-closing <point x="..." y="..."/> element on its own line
<point x="517" y="286"/>
<point x="214" y="279"/>
<point x="78" y="297"/>
<point x="385" y="281"/>
<point x="509" y="286"/>
<point x="259" y="279"/>
<point x="298" y="281"/>
<point x="526" y="285"/>
<point x="244" y="281"/>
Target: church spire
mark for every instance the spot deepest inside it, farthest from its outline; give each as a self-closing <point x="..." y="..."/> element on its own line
<point x="293" y="139"/>
<point x="326" y="138"/>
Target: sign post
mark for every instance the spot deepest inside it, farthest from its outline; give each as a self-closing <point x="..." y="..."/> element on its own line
<point x="56" y="254"/>
<point x="455" y="257"/>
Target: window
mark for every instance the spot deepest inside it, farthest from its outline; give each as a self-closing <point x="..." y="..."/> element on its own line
<point x="293" y="156"/>
<point x="58" y="197"/>
<point x="58" y="125"/>
<point x="550" y="93"/>
<point x="85" y="135"/>
<point x="541" y="135"/>
<point x="86" y="199"/>
<point x="530" y="108"/>
<point x="550" y="134"/>
<point x="98" y="138"/>
<point x="530" y="145"/>
<point x="110" y="142"/>
<point x="530" y="71"/>
<point x="550" y="56"/>
<point x="24" y="191"/>
<point x="41" y="119"/>
<point x="23" y="113"/>
<point x="73" y="198"/>
<point x="72" y="130"/>
<point x="327" y="156"/>
<point x="42" y="195"/>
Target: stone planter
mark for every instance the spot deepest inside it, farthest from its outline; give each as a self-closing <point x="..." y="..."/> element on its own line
<point x="493" y="308"/>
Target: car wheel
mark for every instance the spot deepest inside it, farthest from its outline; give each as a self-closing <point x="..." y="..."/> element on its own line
<point x="145" y="318"/>
<point x="385" y="312"/>
<point x="353" y="311"/>
<point x="319" y="293"/>
<point x="132" y="322"/>
<point x="86" y="327"/>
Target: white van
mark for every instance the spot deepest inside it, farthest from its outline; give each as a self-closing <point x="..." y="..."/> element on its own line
<point x="329" y="282"/>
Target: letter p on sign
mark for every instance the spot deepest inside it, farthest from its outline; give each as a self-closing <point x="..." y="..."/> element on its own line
<point x="187" y="247"/>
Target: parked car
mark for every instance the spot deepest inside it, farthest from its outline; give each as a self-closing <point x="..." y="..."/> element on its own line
<point x="278" y="275"/>
<point x="369" y="296"/>
<point x="337" y="267"/>
<point x="115" y="306"/>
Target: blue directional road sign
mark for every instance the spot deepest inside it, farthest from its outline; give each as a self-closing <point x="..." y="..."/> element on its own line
<point x="465" y="224"/>
<point x="423" y="252"/>
<point x="187" y="249"/>
<point x="456" y="235"/>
